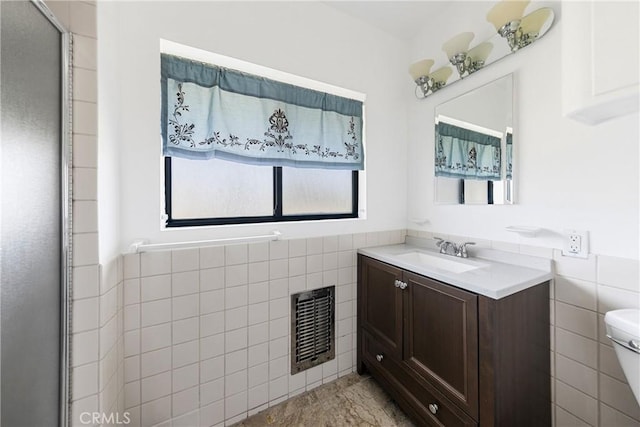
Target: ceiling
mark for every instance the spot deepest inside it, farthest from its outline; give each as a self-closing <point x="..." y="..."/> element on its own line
<point x="402" y="19"/>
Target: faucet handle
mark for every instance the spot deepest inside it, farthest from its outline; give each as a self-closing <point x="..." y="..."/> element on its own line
<point x="439" y="241"/>
<point x="462" y="249"/>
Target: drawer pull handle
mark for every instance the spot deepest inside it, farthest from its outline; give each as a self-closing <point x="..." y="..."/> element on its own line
<point x="379" y="357"/>
<point x="433" y="408"/>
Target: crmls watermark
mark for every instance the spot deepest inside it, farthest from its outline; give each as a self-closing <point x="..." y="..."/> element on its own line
<point x="100" y="418"/>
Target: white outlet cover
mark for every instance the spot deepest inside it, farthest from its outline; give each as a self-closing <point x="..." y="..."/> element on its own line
<point x="569" y="244"/>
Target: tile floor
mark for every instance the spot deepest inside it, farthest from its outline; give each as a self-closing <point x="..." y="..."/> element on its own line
<point x="352" y="400"/>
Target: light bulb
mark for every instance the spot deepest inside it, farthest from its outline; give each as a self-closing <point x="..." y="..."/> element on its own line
<point x="441" y="75"/>
<point x="506" y="11"/>
<point x="457" y="44"/>
<point x="533" y="22"/>
<point x="480" y="52"/>
<point x="420" y="68"/>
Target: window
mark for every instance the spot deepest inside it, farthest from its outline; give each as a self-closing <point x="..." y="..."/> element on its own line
<point x="241" y="148"/>
<point x="215" y="192"/>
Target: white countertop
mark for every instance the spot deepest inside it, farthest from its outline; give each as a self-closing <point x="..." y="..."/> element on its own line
<point x="497" y="274"/>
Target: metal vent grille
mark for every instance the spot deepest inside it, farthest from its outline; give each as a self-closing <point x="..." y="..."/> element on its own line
<point x="312" y="328"/>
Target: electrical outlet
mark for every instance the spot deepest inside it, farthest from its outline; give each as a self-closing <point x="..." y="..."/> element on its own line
<point x="576" y="243"/>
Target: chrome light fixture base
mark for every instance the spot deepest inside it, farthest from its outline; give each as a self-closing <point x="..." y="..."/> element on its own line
<point x="461" y="62"/>
<point x="436" y="86"/>
<point x="516" y="38"/>
<point x="510" y="32"/>
<point x="475" y="66"/>
<point x="427" y="85"/>
<point x="465" y="64"/>
<point x="525" y="40"/>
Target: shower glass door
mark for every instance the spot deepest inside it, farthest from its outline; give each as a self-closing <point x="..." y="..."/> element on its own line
<point x="32" y="211"/>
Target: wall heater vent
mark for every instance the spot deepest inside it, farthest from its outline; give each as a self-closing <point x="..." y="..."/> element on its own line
<point x="312" y="328"/>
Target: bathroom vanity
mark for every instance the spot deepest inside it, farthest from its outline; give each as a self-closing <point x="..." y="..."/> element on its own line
<point x="457" y="342"/>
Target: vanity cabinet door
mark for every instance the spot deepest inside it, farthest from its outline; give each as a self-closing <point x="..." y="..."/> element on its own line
<point x="441" y="339"/>
<point x="381" y="303"/>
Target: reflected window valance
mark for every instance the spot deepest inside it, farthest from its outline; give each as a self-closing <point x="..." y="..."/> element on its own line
<point x="467" y="154"/>
<point x="214" y="112"/>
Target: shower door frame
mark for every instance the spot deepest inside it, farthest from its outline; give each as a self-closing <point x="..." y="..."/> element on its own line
<point x="65" y="209"/>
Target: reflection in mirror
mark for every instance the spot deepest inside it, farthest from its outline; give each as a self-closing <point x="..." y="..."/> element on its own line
<point x="474" y="146"/>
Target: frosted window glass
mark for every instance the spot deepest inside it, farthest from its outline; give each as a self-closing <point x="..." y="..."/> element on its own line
<point x="220" y="189"/>
<point x="316" y="191"/>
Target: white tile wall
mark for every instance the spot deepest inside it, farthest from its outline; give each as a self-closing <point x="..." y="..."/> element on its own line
<point x="85" y="151"/>
<point x="96" y="343"/>
<point x="209" y="329"/>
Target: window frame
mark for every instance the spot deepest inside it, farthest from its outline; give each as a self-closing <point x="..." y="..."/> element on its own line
<point x="277" y="205"/>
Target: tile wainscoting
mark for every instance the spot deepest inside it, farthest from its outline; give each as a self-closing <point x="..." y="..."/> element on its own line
<point x="97" y="343"/>
<point x="207" y="331"/>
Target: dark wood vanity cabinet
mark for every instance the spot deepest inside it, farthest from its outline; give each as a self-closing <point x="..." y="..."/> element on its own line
<point x="451" y="357"/>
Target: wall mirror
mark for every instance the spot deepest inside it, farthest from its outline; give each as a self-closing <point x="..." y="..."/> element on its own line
<point x="474" y="146"/>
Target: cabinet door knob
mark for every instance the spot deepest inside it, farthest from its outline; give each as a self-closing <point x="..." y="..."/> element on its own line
<point x="403" y="285"/>
<point x="379" y="357"/>
<point x="397" y="283"/>
<point x="433" y="408"/>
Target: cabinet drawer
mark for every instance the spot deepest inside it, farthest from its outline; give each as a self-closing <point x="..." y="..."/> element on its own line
<point x="412" y="396"/>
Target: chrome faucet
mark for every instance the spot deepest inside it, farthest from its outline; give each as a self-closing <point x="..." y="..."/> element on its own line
<point x="450" y="248"/>
<point x="446" y="247"/>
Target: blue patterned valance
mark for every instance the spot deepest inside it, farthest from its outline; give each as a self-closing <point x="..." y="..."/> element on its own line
<point x="466" y="154"/>
<point x="214" y="112"/>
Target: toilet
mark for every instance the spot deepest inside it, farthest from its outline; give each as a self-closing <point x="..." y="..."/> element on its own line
<point x="623" y="328"/>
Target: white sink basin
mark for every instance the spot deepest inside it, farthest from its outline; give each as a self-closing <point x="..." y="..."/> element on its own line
<point x="426" y="260"/>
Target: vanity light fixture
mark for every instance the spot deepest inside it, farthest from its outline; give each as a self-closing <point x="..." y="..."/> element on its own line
<point x="509" y="22"/>
<point x="419" y="73"/>
<point x="531" y="25"/>
<point x="426" y="81"/>
<point x="506" y="17"/>
<point x="466" y="61"/>
<point x="456" y="49"/>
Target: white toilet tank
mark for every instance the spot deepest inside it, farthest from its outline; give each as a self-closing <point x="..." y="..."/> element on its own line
<point x="623" y="328"/>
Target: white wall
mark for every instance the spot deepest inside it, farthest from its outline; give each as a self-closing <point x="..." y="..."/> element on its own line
<point x="308" y="39"/>
<point x="568" y="175"/>
<point x="109" y="133"/>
